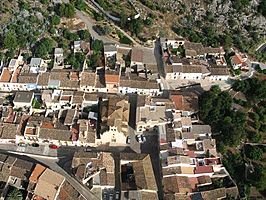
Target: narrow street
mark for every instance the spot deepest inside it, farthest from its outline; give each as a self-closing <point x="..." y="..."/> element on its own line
<point x="52" y="163"/>
<point x="151" y="147"/>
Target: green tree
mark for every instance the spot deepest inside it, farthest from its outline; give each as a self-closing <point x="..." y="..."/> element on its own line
<point x="227" y="41"/>
<point x="10" y="54"/>
<point x="10" y="41"/>
<point x="97" y="46"/>
<point x="44" y="1"/>
<point x="262" y="7"/>
<point x="14" y="194"/>
<point x="258" y="178"/>
<point x="135" y="26"/>
<point x="36" y="104"/>
<point x="43" y="47"/>
<point x="239" y="86"/>
<point x="80" y="57"/>
<point x="79" y="4"/>
<point x="84" y="34"/>
<point x="2" y="55"/>
<point x="148" y="22"/>
<point x="65" y="10"/>
<point x="70" y="36"/>
<point x="253" y="152"/>
<point x="55" y="20"/>
<point x="23" y="5"/>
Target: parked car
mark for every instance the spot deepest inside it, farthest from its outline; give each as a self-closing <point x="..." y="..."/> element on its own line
<point x="22" y="144"/>
<point x="53" y="146"/>
<point x="35" y="145"/>
<point x="141" y="138"/>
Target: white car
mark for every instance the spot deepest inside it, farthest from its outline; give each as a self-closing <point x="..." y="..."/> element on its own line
<point x="141" y="138"/>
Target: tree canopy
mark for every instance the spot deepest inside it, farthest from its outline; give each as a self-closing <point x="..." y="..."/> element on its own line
<point x="44" y="47"/>
<point x="55" y="20"/>
<point x="84" y="34"/>
<point x="14" y="194"/>
<point x="262" y="7"/>
<point x="65" y="10"/>
<point x="254" y="88"/>
<point x="97" y="46"/>
<point x="10" y="41"/>
<point x="76" y="60"/>
<point x="215" y="109"/>
<point x="253" y="152"/>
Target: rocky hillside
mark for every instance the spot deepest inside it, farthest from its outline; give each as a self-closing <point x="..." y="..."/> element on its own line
<point x="214" y="22"/>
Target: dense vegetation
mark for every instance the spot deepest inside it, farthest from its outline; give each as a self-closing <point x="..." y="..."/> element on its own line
<point x="215" y="109"/>
<point x="41" y="31"/>
<point x="234" y="127"/>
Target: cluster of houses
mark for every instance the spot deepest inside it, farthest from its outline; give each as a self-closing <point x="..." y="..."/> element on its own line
<point x="33" y="181"/>
<point x="191" y="167"/>
<point x="97" y="172"/>
<point x="193" y="61"/>
<point x="118" y="105"/>
<point x="141" y="76"/>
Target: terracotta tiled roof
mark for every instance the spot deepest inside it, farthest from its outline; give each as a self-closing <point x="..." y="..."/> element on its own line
<point x="36" y="173"/>
<point x="178" y="101"/>
<point x="15" y="75"/>
<point x="203" y="169"/>
<point x="27" y="78"/>
<point x="112" y="78"/>
<point x="47" y="125"/>
<point x="176" y="184"/>
<point x="6" y="75"/>
<point x="237" y="59"/>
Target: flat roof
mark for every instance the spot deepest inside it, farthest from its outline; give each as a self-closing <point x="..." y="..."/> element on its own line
<point x="23" y="97"/>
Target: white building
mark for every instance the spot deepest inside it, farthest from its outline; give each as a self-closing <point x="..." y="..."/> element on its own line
<point x="219" y="73"/>
<point x="171" y="43"/>
<point x="190" y="72"/>
<point x="109" y="50"/>
<point x="37" y="65"/>
<point x="141" y="86"/>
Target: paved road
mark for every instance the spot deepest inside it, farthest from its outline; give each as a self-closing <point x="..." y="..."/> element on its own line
<point x="52" y="163"/>
<point x="151" y="146"/>
<point x="104" y="12"/>
<point x="159" y="59"/>
<point x="60" y="160"/>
